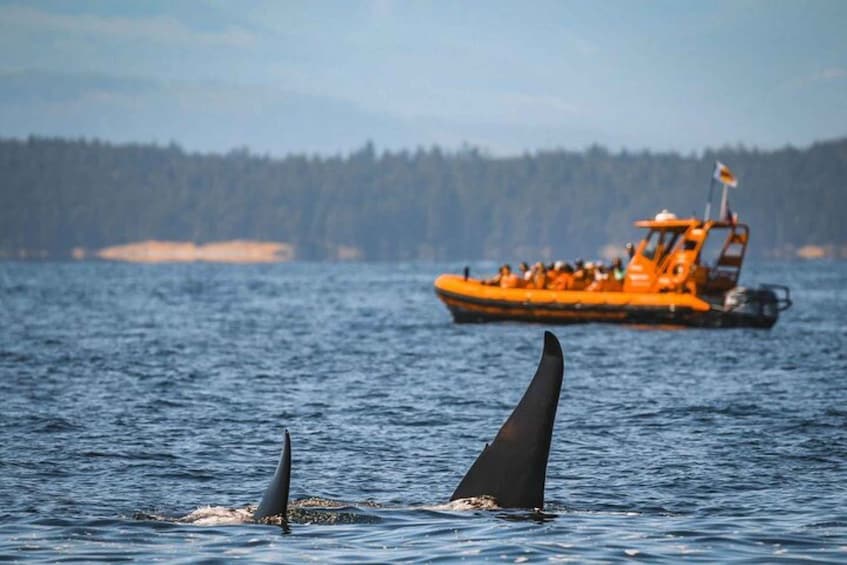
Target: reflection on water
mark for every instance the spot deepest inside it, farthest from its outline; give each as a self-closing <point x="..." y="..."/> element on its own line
<point x="136" y="395"/>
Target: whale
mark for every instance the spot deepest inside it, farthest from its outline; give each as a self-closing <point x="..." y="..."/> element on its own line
<point x="513" y="468"/>
<point x="274" y="502"/>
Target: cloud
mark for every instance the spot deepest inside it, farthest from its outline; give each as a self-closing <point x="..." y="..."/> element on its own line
<point x="381" y="9"/>
<point x="158" y="29"/>
<point x="831" y="73"/>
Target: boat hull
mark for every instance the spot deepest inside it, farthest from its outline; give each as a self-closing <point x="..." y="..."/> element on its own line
<point x="469" y="301"/>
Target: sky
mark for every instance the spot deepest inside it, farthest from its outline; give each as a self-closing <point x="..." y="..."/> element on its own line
<point x="325" y="77"/>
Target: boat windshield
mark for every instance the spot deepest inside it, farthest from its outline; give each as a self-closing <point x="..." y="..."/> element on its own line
<point x="659" y="242"/>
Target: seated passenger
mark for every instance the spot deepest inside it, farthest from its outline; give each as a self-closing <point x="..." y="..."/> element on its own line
<point x="497" y="279"/>
<point x="562" y="278"/>
<point x="511" y="280"/>
<point x="601" y="276"/>
<point x="580" y="278"/>
<point x="614" y="279"/>
<point x="604" y="280"/>
<point x="554" y="269"/>
<point x="589" y="271"/>
<point x="526" y="273"/>
<point x="539" y="276"/>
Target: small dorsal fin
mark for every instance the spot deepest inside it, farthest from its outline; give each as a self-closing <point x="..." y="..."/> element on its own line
<point x="275" y="500"/>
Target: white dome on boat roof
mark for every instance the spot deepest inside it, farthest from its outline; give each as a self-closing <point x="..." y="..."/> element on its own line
<point x="665" y="215"/>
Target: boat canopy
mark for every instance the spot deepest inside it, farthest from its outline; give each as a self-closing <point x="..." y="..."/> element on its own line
<point x="682" y="224"/>
<point x="669" y="258"/>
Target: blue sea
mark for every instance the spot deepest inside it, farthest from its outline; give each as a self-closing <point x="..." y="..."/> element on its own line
<point x="143" y="411"/>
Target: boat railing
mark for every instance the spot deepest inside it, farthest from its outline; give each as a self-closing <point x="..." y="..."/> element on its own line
<point x="783" y="295"/>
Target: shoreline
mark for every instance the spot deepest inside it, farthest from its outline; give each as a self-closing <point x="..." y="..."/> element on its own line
<point x="158" y="251"/>
<point x="246" y="251"/>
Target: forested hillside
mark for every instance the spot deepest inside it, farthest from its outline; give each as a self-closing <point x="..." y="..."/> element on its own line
<point x="56" y="195"/>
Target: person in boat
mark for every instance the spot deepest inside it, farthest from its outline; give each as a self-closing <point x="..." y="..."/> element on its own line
<point x="580" y="276"/>
<point x="539" y="276"/>
<point x="590" y="269"/>
<point x="562" y="278"/>
<point x="597" y="278"/>
<point x="604" y="280"/>
<point x="526" y="273"/>
<point x="618" y="272"/>
<point x="553" y="271"/>
<point x="614" y="276"/>
<point x="496" y="280"/>
<point x="508" y="279"/>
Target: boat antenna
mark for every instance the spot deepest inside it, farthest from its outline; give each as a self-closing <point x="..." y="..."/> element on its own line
<point x="708" y="213"/>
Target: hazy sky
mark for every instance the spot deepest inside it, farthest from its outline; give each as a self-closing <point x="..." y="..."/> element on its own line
<point x="315" y="76"/>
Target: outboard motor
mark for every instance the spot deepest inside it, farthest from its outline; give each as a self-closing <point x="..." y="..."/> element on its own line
<point x="762" y="304"/>
<point x="752" y="302"/>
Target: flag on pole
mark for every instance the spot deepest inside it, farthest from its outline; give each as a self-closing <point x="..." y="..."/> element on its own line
<point x="724" y="176"/>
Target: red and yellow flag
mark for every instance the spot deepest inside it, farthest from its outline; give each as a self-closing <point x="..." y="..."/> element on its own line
<point x="723" y="175"/>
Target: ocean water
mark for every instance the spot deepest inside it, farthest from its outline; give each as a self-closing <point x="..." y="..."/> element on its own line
<point x="143" y="409"/>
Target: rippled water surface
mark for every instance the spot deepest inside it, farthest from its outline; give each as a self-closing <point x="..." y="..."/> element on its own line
<point x="134" y="396"/>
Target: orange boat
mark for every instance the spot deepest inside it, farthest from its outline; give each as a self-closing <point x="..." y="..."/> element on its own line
<point x="667" y="281"/>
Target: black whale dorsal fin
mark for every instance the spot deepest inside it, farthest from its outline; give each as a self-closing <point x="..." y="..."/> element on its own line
<point x="275" y="500"/>
<point x="513" y="468"/>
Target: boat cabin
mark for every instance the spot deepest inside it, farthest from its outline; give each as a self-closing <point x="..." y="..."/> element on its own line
<point x="687" y="255"/>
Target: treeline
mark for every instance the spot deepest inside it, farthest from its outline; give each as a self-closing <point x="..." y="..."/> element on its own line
<point x="56" y="195"/>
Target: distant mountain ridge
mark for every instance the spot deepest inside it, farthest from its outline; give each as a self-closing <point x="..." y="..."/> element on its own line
<point x="58" y="195"/>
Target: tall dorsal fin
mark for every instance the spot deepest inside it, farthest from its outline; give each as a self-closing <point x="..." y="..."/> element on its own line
<point x="513" y="468"/>
<point x="275" y="500"/>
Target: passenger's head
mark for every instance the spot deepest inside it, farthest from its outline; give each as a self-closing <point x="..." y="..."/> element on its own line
<point x="505" y="269"/>
<point x="523" y="266"/>
<point x="558" y="265"/>
<point x="617" y="263"/>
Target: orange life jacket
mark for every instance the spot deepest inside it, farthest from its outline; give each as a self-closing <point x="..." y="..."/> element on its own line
<point x="511" y="281"/>
<point x="562" y="281"/>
